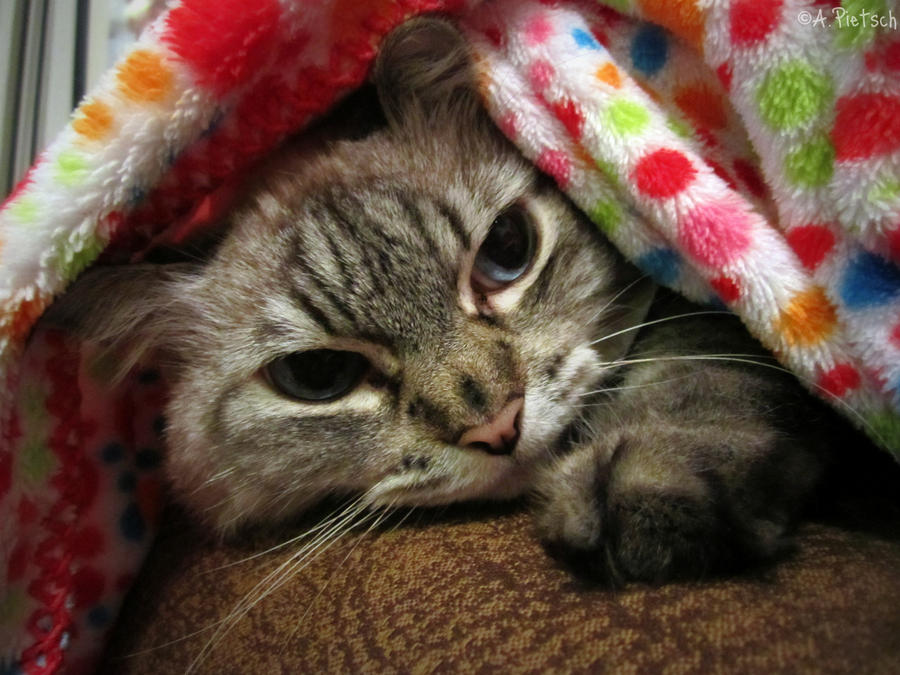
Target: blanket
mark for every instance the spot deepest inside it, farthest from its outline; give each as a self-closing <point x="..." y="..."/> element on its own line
<point x="743" y="152"/>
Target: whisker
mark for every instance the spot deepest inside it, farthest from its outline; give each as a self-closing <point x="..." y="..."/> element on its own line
<point x="388" y="510"/>
<point x="331" y="518"/>
<point x="760" y="360"/>
<point x="662" y="320"/>
<point x="276" y="578"/>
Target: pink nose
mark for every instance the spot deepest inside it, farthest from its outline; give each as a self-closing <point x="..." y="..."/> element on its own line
<point x="498" y="436"/>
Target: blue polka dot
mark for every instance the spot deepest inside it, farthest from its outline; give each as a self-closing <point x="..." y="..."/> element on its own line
<point x="649" y="49"/>
<point x="112" y="453"/>
<point x="127" y="482"/>
<point x="585" y="39"/>
<point x="132" y="523"/>
<point x="148" y="458"/>
<point x="869" y="281"/>
<point x="663" y="264"/>
<point x="98" y="616"/>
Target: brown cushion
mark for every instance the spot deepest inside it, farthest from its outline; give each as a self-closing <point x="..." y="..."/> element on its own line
<point x="474" y="591"/>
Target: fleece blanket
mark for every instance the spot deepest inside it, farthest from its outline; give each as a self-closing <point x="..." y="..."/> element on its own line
<point x="744" y="152"/>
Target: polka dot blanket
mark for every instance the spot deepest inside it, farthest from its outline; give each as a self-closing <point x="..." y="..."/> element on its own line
<point x="744" y="152"/>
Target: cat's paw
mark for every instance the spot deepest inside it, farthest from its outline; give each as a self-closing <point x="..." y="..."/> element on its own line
<point x="655" y="505"/>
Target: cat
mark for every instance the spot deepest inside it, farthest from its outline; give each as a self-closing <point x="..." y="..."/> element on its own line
<point x="414" y="313"/>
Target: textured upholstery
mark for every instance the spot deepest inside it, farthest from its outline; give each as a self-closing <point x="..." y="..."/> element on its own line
<point x="472" y="590"/>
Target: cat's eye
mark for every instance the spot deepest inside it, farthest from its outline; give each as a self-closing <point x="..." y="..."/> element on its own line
<point x="506" y="252"/>
<point x="318" y="374"/>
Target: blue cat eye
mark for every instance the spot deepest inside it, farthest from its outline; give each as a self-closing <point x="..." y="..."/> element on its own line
<point x="318" y="374"/>
<point x="506" y="252"/>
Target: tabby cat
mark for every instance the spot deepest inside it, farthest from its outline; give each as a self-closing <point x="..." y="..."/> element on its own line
<point x="415" y="314"/>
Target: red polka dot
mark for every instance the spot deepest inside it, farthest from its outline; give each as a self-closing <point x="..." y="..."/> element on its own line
<point x="87" y="586"/>
<point x="555" y="163"/>
<point x="725" y="75"/>
<point x="18" y="562"/>
<point x="537" y="30"/>
<point x="88" y="542"/>
<point x="840" y="379"/>
<point x="540" y="74"/>
<point x="509" y="126"/>
<point x="751" y="178"/>
<point x="892" y="56"/>
<point x="893" y="239"/>
<point x="705" y="135"/>
<point x="895" y="336"/>
<point x="26" y="511"/>
<point x="716" y="233"/>
<point x="866" y="125"/>
<point x="663" y="173"/>
<point x="727" y="288"/>
<point x="494" y="35"/>
<point x="569" y="113"/>
<point x="5" y="472"/>
<point x="811" y="243"/>
<point x="225" y="42"/>
<point x="600" y="35"/>
<point x="753" y="20"/>
<point x="720" y="171"/>
<point x="871" y="61"/>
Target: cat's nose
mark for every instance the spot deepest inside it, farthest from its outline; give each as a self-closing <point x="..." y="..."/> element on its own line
<point x="498" y="436"/>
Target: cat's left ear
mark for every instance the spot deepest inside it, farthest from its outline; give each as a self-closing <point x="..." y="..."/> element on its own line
<point x="423" y="70"/>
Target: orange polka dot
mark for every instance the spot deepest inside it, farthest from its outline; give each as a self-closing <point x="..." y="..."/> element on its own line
<point x="610" y="74"/>
<point x="144" y="78"/>
<point x="702" y="106"/>
<point x="25" y="316"/>
<point x="93" y="120"/>
<point x="583" y="155"/>
<point x="808" y="319"/>
<point x="682" y="17"/>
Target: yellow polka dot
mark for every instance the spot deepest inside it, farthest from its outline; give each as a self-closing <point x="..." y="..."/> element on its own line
<point x="808" y="319"/>
<point x="610" y="74"/>
<point x="93" y="120"/>
<point x="144" y="78"/>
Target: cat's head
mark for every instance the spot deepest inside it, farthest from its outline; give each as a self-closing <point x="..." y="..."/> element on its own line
<point x="408" y="315"/>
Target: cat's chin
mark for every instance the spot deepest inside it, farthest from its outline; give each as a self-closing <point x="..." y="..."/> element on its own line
<point x="497" y="479"/>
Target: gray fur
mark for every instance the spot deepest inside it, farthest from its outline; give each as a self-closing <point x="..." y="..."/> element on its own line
<point x="366" y="245"/>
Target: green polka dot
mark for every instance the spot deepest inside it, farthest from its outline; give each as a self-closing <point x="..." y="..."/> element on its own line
<point x="25" y="210"/>
<point x="71" y="168"/>
<point x="812" y="164"/>
<point x="607" y="215"/>
<point x="866" y="13"/>
<point x="885" y="192"/>
<point x="679" y="128"/>
<point x="627" y="117"/>
<point x="33" y="408"/>
<point x="12" y="607"/>
<point x="36" y="462"/>
<point x="793" y="94"/>
<point x="885" y="429"/>
<point x="72" y="259"/>
<point x="620" y="5"/>
<point x="608" y="169"/>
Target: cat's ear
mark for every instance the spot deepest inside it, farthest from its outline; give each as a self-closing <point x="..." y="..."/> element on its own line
<point x="424" y="68"/>
<point x="127" y="309"/>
